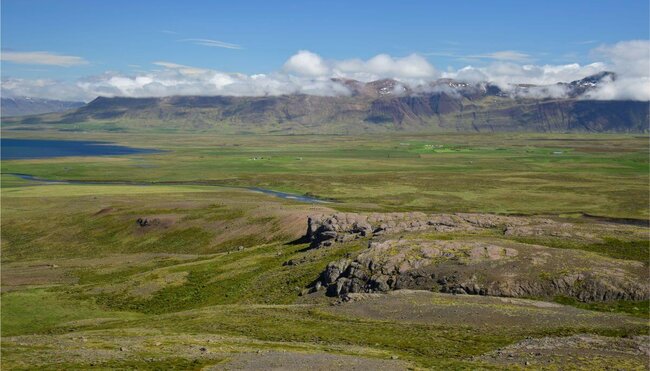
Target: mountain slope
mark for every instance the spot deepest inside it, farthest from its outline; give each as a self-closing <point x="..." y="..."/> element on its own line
<point x="384" y="105"/>
<point x="23" y="106"/>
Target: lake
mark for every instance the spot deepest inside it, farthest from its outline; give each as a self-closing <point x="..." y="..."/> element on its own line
<point x="16" y="149"/>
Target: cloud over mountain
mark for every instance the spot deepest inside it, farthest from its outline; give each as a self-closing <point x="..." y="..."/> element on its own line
<point x="309" y="73"/>
<point x="631" y="61"/>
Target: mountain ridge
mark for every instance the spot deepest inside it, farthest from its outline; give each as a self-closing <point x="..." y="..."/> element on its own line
<point x="382" y="105"/>
<point x="23" y="106"/>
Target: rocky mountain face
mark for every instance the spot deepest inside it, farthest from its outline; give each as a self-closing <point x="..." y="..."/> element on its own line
<point x="23" y="106"/>
<point x="385" y="105"/>
<point x="401" y="254"/>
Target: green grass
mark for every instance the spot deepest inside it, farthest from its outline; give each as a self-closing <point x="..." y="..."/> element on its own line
<point x="70" y="190"/>
<point x="504" y="173"/>
<point x="177" y="241"/>
<point x="638" y="250"/>
<point x="426" y="344"/>
<point x="632" y="250"/>
<point x="192" y="222"/>
<point x="255" y="275"/>
<point x="91" y="233"/>
<point x="40" y="311"/>
<point x="635" y="308"/>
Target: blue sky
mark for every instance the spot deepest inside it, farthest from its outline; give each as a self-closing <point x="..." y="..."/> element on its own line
<point x="259" y="36"/>
<point x="112" y="35"/>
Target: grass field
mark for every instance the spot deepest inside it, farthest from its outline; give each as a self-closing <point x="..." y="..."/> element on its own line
<point x="605" y="175"/>
<point x="85" y="287"/>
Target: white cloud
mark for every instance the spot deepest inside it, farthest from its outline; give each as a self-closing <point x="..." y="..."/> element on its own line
<point x="538" y="92"/>
<point x="507" y="73"/>
<point x="309" y="73"/>
<point x="42" y="88"/>
<point x="173" y="79"/>
<point x="631" y="61"/>
<point x="212" y="43"/>
<point x="45" y="58"/>
<point x="306" y="63"/>
<point x="384" y="66"/>
<point x="629" y="57"/>
<point x="413" y="66"/>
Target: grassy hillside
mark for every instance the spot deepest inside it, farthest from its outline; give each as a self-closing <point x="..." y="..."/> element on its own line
<point x="219" y="277"/>
<point x="82" y="280"/>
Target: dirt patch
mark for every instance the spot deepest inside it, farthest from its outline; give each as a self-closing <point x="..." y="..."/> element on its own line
<point x="307" y="361"/>
<point x="141" y="347"/>
<point x="425" y="307"/>
<point x="18" y="276"/>
<point x="579" y="351"/>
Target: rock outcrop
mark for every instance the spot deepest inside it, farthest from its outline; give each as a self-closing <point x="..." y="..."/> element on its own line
<point x="325" y="230"/>
<point x="477" y="256"/>
<point x="485" y="268"/>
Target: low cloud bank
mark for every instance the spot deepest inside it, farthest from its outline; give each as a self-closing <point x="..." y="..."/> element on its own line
<point x="309" y="73"/>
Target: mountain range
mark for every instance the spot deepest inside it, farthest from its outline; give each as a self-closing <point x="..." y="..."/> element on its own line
<point x="22" y="106"/>
<point x="385" y="105"/>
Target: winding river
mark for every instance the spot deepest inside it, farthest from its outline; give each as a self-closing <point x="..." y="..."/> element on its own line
<point x="18" y="149"/>
<point x="284" y="195"/>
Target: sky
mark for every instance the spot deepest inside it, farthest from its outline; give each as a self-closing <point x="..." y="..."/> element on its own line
<point x="76" y="49"/>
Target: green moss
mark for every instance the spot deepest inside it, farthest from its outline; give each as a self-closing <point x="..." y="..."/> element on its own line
<point x="635" y="308"/>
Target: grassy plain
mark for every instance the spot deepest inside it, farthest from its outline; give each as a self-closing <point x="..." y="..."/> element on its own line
<point x="84" y="287"/>
<point x="605" y="175"/>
